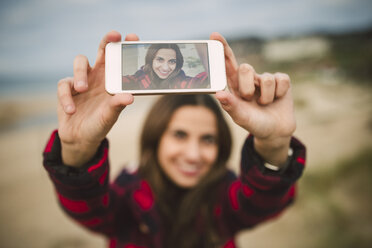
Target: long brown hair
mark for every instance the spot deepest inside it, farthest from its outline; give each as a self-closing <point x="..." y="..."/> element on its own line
<point x="181" y="208"/>
<point x="150" y="56"/>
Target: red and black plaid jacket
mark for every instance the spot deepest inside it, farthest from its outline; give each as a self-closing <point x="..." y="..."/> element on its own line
<point x="141" y="81"/>
<point x="126" y="210"/>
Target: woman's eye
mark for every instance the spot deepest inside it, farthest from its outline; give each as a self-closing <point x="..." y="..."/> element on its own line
<point x="172" y="62"/>
<point x="209" y="139"/>
<point x="179" y="134"/>
<point x="159" y="59"/>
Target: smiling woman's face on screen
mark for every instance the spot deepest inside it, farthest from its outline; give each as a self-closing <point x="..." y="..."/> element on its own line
<point x="164" y="62"/>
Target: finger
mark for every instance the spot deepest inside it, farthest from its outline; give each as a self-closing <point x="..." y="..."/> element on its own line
<point x="230" y="60"/>
<point x="81" y="69"/>
<point x="228" y="102"/>
<point x="231" y="104"/>
<point x="282" y="84"/>
<point x="131" y="37"/>
<point x="267" y="85"/>
<point x="246" y="81"/>
<point x="65" y="92"/>
<point x="112" y="36"/>
<point x="116" y="104"/>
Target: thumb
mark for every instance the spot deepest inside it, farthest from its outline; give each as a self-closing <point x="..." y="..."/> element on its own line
<point x="228" y="102"/>
<point x="114" y="107"/>
<point x="119" y="101"/>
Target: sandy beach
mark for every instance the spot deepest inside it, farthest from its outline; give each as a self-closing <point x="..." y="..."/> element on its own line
<point x="333" y="120"/>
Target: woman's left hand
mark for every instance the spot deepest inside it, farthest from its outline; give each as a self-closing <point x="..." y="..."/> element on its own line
<point x="260" y="103"/>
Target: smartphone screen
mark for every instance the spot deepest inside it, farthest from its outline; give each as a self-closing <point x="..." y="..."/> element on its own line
<point x="167" y="66"/>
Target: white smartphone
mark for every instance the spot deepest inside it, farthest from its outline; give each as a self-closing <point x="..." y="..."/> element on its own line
<point x="165" y="67"/>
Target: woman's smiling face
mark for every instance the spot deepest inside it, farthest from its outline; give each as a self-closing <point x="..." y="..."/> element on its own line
<point x="164" y="63"/>
<point x="188" y="148"/>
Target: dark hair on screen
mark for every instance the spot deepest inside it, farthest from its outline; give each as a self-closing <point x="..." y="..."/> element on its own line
<point x="179" y="207"/>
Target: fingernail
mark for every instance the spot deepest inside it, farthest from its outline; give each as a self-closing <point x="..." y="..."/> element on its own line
<point x="81" y="84"/>
<point x="69" y="108"/>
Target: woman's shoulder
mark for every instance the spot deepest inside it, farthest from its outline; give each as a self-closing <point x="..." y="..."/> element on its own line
<point x="229" y="177"/>
<point x="139" y="80"/>
<point x="198" y="81"/>
<point x="128" y="175"/>
<point x="202" y="75"/>
<point x="140" y="72"/>
<point x="137" y="76"/>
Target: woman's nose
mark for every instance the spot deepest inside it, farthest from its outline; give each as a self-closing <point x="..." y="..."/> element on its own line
<point x="192" y="151"/>
<point x="165" y="66"/>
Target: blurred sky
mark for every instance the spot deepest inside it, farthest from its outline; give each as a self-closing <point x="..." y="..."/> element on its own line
<point x="43" y="36"/>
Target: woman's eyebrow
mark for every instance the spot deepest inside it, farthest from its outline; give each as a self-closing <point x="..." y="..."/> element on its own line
<point x="174" y="129"/>
<point x="209" y="135"/>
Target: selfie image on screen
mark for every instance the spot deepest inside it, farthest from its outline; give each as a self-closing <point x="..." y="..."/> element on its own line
<point x="165" y="66"/>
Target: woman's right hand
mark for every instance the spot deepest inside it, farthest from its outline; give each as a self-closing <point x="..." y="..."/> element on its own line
<point x="86" y="112"/>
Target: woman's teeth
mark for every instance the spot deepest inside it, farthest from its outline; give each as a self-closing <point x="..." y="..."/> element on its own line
<point x="189" y="168"/>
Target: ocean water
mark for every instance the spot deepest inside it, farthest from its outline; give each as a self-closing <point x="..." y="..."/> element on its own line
<point x="13" y="85"/>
